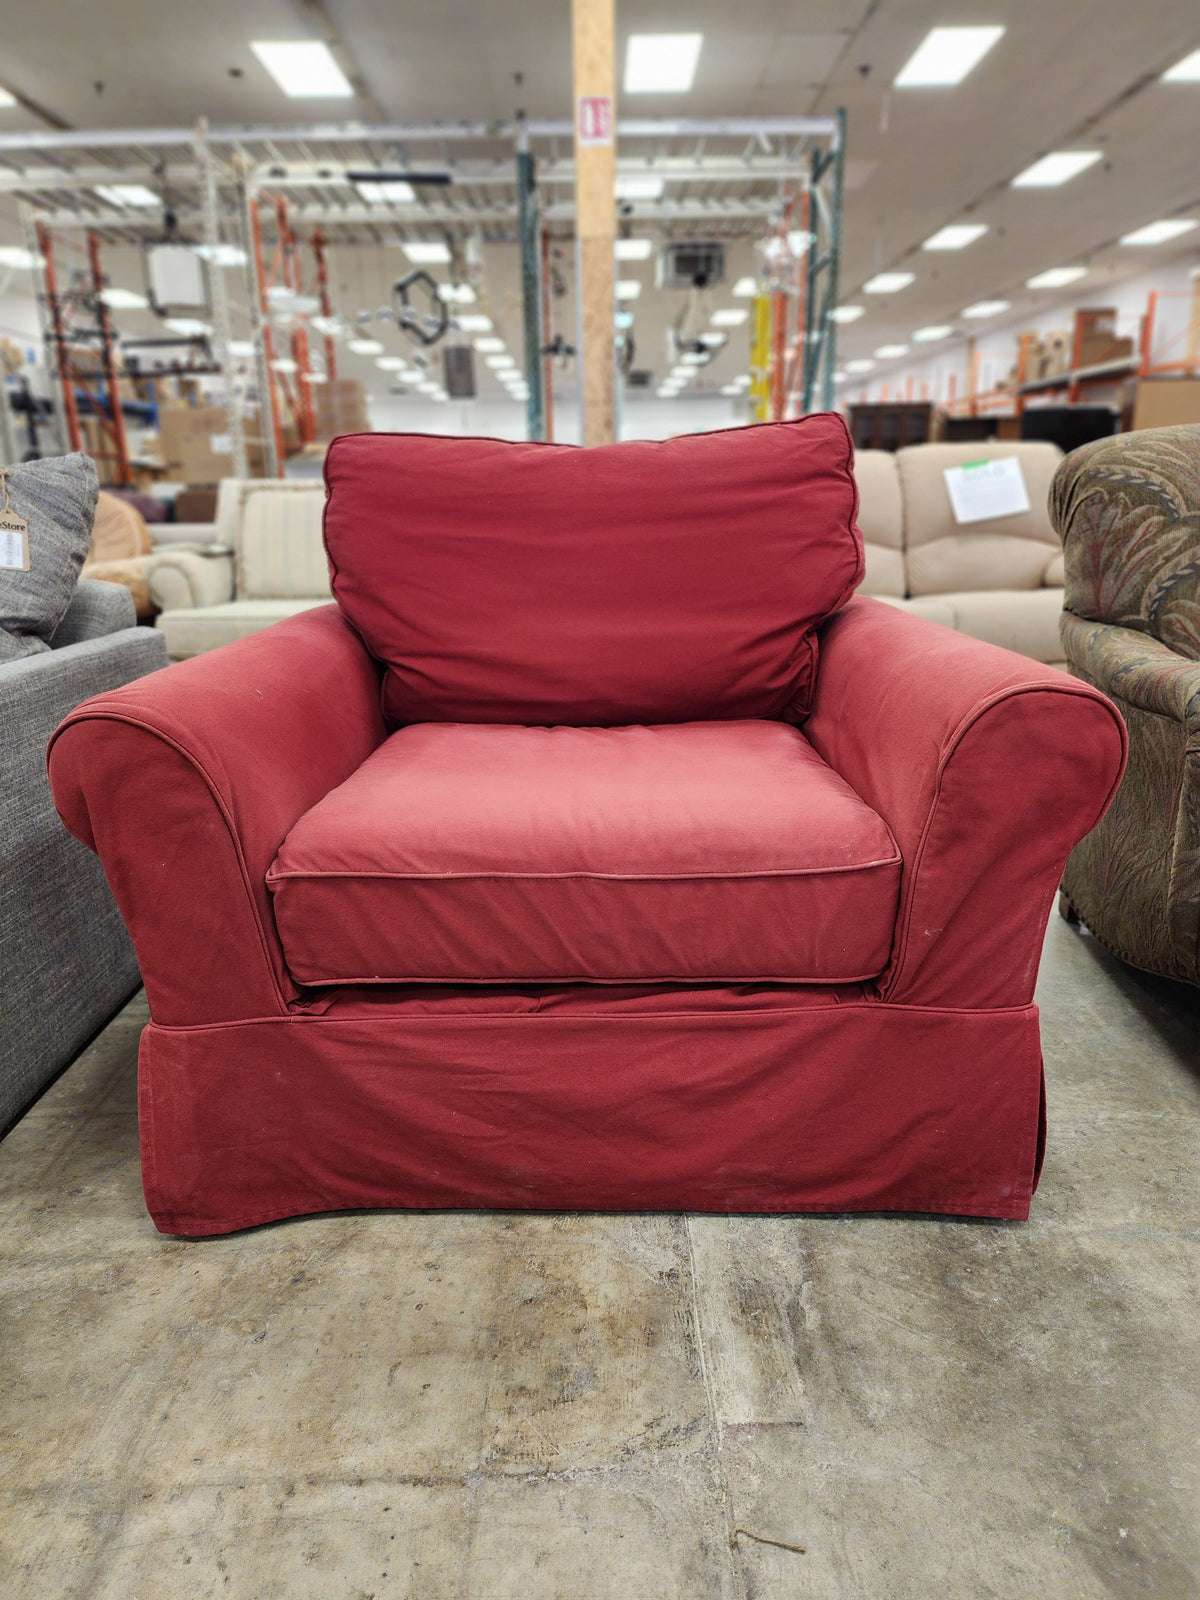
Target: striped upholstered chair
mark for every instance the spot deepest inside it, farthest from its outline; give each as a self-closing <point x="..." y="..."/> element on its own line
<point x="267" y="563"/>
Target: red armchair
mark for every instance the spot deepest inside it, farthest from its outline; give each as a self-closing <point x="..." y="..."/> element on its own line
<point x="723" y="965"/>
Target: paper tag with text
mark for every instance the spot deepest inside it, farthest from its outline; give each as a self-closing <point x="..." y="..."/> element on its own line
<point x="14" y="542"/>
<point x="985" y="489"/>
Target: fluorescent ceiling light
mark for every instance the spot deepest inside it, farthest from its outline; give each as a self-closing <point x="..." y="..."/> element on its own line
<point x="693" y="358"/>
<point x="956" y="237"/>
<point x="986" y="308"/>
<point x="891" y="352"/>
<point x="743" y="380"/>
<point x="634" y="249"/>
<point x="476" y="322"/>
<point x="1056" y="278"/>
<point x="285" y="364"/>
<point x="313" y="377"/>
<point x="127" y="194"/>
<point x="839" y="377"/>
<point x="1158" y="232"/>
<point x="240" y="349"/>
<point x="499" y="363"/>
<point x="392" y="191"/>
<point x="365" y="347"/>
<point x="661" y="63"/>
<point x="426" y="252"/>
<point x="847" y="313"/>
<point x="733" y="317"/>
<point x="1185" y="71"/>
<point x="124" y="300"/>
<point x="391" y="363"/>
<point x="945" y="56"/>
<point x="731" y="388"/>
<point x="745" y="287"/>
<point x="189" y="327"/>
<point x="222" y="255"/>
<point x="629" y="288"/>
<point x="624" y="319"/>
<point x="1058" y="167"/>
<point x="798" y="240"/>
<point x="7" y="99"/>
<point x="428" y="387"/>
<point x="634" y="188"/>
<point x="888" y="282"/>
<point x="928" y="335"/>
<point x="12" y="255"/>
<point x="329" y="326"/>
<point x="411" y="376"/>
<point x="303" y="68"/>
<point x="864" y="365"/>
<point x="456" y="294"/>
<point x="490" y="346"/>
<point x="714" y="341"/>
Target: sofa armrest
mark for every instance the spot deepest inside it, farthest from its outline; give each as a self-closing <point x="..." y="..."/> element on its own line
<point x="180" y="579"/>
<point x="97" y="608"/>
<point x="1134" y="668"/>
<point x="987" y="767"/>
<point x="186" y="784"/>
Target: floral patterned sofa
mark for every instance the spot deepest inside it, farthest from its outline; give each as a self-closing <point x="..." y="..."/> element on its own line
<point x="1128" y="510"/>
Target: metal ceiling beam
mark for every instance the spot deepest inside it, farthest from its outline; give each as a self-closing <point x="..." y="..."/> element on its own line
<point x="417" y="132"/>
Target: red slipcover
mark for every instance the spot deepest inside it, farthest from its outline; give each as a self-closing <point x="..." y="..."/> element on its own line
<point x="916" y="1091"/>
<point x="644" y="582"/>
<point x="718" y="851"/>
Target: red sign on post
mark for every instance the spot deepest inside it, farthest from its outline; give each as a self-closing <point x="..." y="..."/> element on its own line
<point x="595" y="124"/>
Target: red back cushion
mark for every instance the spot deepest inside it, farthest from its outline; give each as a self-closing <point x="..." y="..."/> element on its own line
<point x="636" y="583"/>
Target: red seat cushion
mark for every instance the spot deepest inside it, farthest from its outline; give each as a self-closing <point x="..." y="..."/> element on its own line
<point x="693" y="851"/>
<point x="651" y="581"/>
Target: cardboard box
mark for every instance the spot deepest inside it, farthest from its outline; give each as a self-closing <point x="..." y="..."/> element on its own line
<point x="196" y="448"/>
<point x="1097" y="348"/>
<point x="1163" y="402"/>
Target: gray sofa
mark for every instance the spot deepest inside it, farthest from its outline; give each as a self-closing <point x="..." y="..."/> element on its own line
<point x="66" y="959"/>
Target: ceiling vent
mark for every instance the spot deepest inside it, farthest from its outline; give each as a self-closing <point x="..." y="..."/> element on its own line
<point x="691" y="266"/>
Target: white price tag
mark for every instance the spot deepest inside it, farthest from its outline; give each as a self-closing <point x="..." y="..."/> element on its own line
<point x="14" y="542"/>
<point x="982" y="490"/>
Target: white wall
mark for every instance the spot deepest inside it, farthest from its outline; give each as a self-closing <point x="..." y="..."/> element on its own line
<point x="642" y="417"/>
<point x="996" y="343"/>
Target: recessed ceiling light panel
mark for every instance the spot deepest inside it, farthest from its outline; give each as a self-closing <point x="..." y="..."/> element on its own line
<point x="891" y="352"/>
<point x="945" y="56"/>
<point x="729" y="317"/>
<point x="888" y="282"/>
<point x="863" y="365"/>
<point x="956" y="237"/>
<point x="426" y="252"/>
<point x="847" y="313"/>
<point x="1159" y="232"/>
<point x="932" y="334"/>
<point x="986" y="308"/>
<point x="1185" y="71"/>
<point x="629" y="288"/>
<point x="389" y="192"/>
<point x="661" y="63"/>
<point x="124" y="300"/>
<point x="1060" y="166"/>
<point x="632" y="187"/>
<point x="303" y="68"/>
<point x="1056" y="278"/>
<point x="634" y="249"/>
<point x="128" y="194"/>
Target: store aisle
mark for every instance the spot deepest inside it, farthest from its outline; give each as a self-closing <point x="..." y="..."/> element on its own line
<point x="463" y="1405"/>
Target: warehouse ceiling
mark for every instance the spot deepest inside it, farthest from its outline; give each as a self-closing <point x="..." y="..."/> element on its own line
<point x="1064" y="76"/>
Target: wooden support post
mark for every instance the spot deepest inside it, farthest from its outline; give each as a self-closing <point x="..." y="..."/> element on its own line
<point x="592" y="26"/>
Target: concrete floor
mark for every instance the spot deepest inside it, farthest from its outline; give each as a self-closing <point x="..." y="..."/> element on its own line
<point x="478" y="1407"/>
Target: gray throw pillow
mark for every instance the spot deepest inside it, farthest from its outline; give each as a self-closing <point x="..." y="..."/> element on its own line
<point x="57" y="498"/>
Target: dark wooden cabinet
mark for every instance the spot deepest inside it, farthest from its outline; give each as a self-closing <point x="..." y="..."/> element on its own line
<point x="889" y="426"/>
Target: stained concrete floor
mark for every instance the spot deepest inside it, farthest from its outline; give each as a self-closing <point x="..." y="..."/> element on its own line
<point x="479" y="1407"/>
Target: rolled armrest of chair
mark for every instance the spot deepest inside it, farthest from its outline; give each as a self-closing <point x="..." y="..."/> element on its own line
<point x="184" y="578"/>
<point x="186" y="784"/>
<point x="987" y="767"/>
<point x="1134" y="668"/>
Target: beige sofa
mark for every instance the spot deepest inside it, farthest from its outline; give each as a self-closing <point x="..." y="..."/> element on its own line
<point x="1000" y="580"/>
<point x="267" y="562"/>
